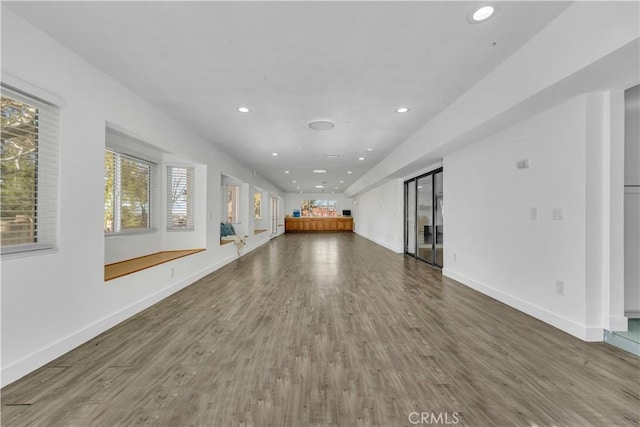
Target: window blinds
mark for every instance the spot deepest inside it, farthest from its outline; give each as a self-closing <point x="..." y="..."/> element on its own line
<point x="180" y="198"/>
<point x="29" y="173"/>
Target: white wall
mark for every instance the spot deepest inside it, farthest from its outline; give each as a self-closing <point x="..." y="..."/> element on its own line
<point x="54" y="301"/>
<point x="494" y="246"/>
<point x="379" y="215"/>
<point x="292" y="201"/>
<point x="632" y="202"/>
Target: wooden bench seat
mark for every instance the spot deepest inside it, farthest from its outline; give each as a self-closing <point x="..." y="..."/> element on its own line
<point x="128" y="266"/>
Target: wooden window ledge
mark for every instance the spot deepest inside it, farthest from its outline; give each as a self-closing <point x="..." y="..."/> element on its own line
<point x="128" y="266"/>
<point x="258" y="231"/>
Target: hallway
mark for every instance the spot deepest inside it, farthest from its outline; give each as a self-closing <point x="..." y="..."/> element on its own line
<point x="329" y="329"/>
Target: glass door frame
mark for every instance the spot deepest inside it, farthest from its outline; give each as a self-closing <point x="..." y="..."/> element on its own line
<point x="414" y="181"/>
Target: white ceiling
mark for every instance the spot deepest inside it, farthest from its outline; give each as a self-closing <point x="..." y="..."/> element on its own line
<point x="352" y="63"/>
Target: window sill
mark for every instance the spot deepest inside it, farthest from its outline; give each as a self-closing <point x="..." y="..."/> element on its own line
<point x="132" y="232"/>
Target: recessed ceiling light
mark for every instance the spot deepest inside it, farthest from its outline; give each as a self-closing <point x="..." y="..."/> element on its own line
<point x="349" y="172"/>
<point x="360" y="158"/>
<point x="297" y="188"/>
<point x="419" y="186"/>
<point x="482" y="13"/>
<point x="293" y="181"/>
<point x="319" y="186"/>
<point x="319" y="171"/>
<point x="336" y="188"/>
<point x="274" y="154"/>
<point x="321" y="125"/>
<point x="243" y="109"/>
<point x="369" y="150"/>
<point x="402" y="110"/>
<point x="333" y="192"/>
<point x="341" y="182"/>
<point x="286" y="171"/>
<point x="333" y="156"/>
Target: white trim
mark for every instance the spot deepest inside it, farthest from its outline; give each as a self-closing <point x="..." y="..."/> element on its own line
<point x="396" y="249"/>
<point x="20" y="85"/>
<point x="632" y="314"/>
<point x="591" y="334"/>
<point x="33" y="361"/>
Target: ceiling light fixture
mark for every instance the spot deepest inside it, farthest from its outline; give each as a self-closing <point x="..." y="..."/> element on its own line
<point x="321" y="125"/>
<point x="244" y="109"/>
<point x="349" y="172"/>
<point x="274" y="154"/>
<point x="319" y="186"/>
<point x="293" y="181"/>
<point x="286" y="171"/>
<point x="319" y="171"/>
<point x="402" y="110"/>
<point x="360" y="158"/>
<point x="341" y="182"/>
<point x="480" y="14"/>
<point x="369" y="150"/>
<point x="333" y="156"/>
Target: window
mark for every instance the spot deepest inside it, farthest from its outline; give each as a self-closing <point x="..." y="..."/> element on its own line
<point x="318" y="208"/>
<point x="28" y="173"/>
<point x="257" y="204"/>
<point x="233" y="204"/>
<point x="127" y="193"/>
<point x="180" y="198"/>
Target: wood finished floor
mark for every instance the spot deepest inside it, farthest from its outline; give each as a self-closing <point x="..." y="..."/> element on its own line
<point x="329" y="330"/>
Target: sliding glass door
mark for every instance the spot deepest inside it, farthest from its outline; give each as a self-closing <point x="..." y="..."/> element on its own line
<point x="410" y="217"/>
<point x="424" y="219"/>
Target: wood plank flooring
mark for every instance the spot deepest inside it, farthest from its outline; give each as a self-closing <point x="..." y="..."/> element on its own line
<point x="329" y="330"/>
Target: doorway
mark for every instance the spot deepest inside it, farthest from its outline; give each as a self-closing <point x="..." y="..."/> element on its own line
<point x="424" y="218"/>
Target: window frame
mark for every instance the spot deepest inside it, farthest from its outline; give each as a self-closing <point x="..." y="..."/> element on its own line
<point x="190" y="175"/>
<point x="259" y="210"/>
<point x="46" y="171"/>
<point x="152" y="193"/>
<point x="232" y="205"/>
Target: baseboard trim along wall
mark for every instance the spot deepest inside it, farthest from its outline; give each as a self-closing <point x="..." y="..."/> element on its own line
<point x="590" y="334"/>
<point x="392" y="248"/>
<point x="30" y="363"/>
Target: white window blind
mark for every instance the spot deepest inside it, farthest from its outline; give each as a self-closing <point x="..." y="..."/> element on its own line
<point x="130" y="188"/>
<point x="180" y="198"/>
<point x="29" y="173"/>
<point x="233" y="204"/>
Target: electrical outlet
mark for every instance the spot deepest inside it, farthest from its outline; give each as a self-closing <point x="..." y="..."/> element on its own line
<point x="559" y="287"/>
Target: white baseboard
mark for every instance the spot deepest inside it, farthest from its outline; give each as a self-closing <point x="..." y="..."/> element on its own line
<point x="392" y="248"/>
<point x="591" y="334"/>
<point x="30" y="363"/>
<point x="616" y="323"/>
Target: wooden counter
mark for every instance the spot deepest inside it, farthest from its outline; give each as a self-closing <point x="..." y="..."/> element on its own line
<point x="294" y="225"/>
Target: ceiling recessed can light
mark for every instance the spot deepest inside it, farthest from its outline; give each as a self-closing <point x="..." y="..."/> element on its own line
<point x="341" y="182"/>
<point x="274" y="154"/>
<point x="321" y="125"/>
<point x="319" y="171"/>
<point x="360" y="158"/>
<point x="480" y="14"/>
<point x="349" y="172"/>
<point x="294" y="181"/>
<point x="286" y="171"/>
<point x="402" y="110"/>
<point x="244" y="109"/>
<point x="333" y="156"/>
<point x="319" y="186"/>
<point x="369" y="150"/>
